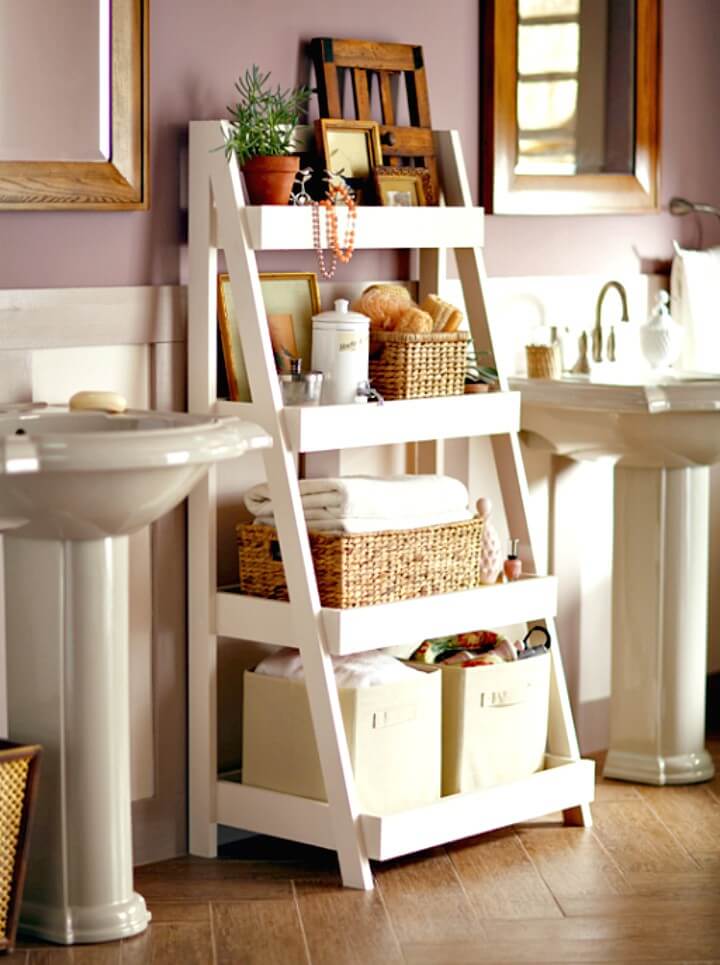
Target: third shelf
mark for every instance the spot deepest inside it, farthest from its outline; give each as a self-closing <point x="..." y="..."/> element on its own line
<point x="391" y="624"/>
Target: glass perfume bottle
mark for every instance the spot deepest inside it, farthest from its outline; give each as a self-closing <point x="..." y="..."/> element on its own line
<point x="512" y="566"/>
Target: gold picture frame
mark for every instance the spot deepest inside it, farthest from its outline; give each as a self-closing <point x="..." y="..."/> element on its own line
<point x="291" y="298"/>
<point x="349" y="148"/>
<point x="404" y="187"/>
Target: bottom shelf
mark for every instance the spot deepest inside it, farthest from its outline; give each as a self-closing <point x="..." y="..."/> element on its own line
<point x="562" y="785"/>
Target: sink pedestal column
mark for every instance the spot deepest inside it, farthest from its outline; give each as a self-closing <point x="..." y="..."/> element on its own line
<point x="67" y="628"/>
<point x="659" y="642"/>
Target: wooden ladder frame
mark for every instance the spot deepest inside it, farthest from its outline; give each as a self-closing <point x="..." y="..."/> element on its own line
<point x="216" y="203"/>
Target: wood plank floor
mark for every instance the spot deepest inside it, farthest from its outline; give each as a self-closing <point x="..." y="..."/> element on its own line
<point x="642" y="886"/>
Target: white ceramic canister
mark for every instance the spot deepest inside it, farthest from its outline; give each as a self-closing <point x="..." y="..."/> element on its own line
<point x="340" y="347"/>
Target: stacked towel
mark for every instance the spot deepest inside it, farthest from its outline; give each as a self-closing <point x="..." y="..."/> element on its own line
<point x="367" y="504"/>
<point x="355" y="670"/>
<point x="695" y="288"/>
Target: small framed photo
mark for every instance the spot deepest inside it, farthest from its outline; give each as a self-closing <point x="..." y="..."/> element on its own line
<point x="349" y="148"/>
<point x="290" y="299"/>
<point x="404" y="187"/>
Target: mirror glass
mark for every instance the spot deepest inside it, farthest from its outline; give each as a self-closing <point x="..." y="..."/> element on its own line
<point x="575" y="87"/>
<point x="62" y="111"/>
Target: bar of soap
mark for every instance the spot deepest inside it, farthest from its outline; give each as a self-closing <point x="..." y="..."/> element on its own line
<point x="98" y="402"/>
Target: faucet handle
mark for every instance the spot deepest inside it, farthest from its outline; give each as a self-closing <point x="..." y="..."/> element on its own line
<point x="610" y="351"/>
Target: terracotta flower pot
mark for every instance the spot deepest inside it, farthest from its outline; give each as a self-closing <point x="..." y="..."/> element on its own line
<point x="269" y="180"/>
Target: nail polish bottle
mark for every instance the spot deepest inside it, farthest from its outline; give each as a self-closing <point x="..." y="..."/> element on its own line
<point x="513" y="564"/>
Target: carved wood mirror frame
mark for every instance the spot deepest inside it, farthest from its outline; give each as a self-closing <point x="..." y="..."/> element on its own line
<point x="122" y="181"/>
<point x="504" y="191"/>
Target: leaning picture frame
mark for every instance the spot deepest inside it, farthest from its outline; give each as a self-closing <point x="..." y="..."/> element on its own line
<point x="290" y="300"/>
<point x="404" y="187"/>
<point x="350" y="149"/>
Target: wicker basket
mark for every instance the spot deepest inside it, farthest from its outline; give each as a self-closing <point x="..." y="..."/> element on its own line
<point x="543" y="361"/>
<point x="18" y="785"/>
<point x="366" y="568"/>
<point x="407" y="366"/>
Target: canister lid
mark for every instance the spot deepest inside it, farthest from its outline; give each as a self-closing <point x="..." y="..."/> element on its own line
<point x="341" y="315"/>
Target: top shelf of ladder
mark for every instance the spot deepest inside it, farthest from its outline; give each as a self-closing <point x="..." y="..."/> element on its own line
<point x="290" y="228"/>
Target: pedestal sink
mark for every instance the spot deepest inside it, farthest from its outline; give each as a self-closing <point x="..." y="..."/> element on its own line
<point x="663" y="434"/>
<point x="72" y="486"/>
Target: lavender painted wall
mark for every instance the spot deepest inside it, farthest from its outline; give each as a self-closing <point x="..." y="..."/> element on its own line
<point x="198" y="50"/>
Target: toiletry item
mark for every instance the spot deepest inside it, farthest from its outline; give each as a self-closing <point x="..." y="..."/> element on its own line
<point x="582" y="365"/>
<point x="661" y="336"/>
<point x="110" y="402"/>
<point x="298" y="387"/>
<point x="543" y="361"/>
<point x="340" y="346"/>
<point x="527" y="649"/>
<point x="513" y="564"/>
<point x="366" y="393"/>
<point x="490" y="552"/>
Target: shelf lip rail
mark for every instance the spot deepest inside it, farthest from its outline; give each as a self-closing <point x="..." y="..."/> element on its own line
<point x="359" y="629"/>
<point x="325" y="428"/>
<point x="562" y="784"/>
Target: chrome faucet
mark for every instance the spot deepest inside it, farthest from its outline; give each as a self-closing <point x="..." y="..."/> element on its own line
<point x="597" y="337"/>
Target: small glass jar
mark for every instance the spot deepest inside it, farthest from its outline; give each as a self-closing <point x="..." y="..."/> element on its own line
<point x="300" y="388"/>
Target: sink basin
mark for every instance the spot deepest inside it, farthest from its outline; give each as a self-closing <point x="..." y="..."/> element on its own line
<point x="663" y="434"/>
<point x="88" y="475"/>
<point x="72" y="486"/>
<point x="670" y="421"/>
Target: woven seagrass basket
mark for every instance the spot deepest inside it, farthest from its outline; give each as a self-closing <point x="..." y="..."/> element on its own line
<point x="408" y="366"/>
<point x="18" y="787"/>
<point x="360" y="569"/>
<point x="543" y="362"/>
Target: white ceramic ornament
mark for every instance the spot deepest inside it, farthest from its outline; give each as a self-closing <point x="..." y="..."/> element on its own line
<point x="491" y="558"/>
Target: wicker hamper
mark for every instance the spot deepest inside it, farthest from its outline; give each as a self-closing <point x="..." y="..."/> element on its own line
<point x="408" y="366"/>
<point x="18" y="785"/>
<point x="367" y="568"/>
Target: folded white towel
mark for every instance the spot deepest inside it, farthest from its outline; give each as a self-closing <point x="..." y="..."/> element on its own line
<point x="355" y="670"/>
<point x="367" y="496"/>
<point x="695" y="290"/>
<point x="323" y="521"/>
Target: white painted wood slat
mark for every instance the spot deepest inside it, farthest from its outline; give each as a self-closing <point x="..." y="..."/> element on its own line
<point x="389" y="624"/>
<point x="329" y="427"/>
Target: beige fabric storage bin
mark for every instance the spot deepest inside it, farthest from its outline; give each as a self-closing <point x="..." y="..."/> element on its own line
<point x="495" y="722"/>
<point x="393" y="732"/>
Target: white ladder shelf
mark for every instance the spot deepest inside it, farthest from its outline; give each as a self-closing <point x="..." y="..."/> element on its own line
<point x="219" y="218"/>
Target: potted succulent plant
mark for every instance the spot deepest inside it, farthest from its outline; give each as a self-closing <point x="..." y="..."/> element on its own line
<point x="261" y="135"/>
<point x="480" y="377"/>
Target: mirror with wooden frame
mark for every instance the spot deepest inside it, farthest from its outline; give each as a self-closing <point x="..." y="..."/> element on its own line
<point x="570" y="106"/>
<point x="74" y="109"/>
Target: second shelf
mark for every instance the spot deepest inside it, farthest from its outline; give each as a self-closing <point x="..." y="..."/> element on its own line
<point x="326" y="427"/>
<point x="391" y="624"/>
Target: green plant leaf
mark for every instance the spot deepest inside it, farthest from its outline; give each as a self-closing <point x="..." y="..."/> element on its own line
<point x="263" y="120"/>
